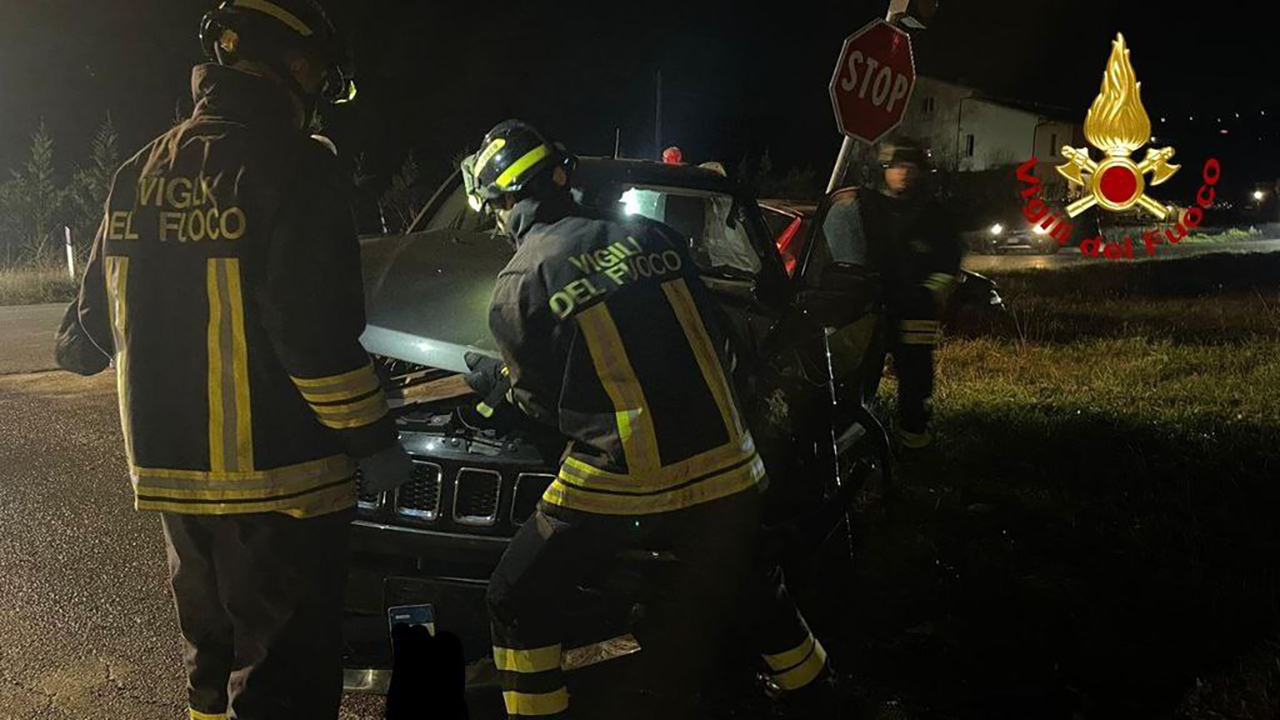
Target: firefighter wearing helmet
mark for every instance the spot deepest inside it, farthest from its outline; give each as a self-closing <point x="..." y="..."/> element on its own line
<point x="609" y="338"/>
<point x="901" y="233"/>
<point x="225" y="285"/>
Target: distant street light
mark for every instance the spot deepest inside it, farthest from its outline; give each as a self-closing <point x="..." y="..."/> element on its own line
<point x="1258" y="195"/>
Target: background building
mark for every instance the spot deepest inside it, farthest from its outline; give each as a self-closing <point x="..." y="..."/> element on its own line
<point x="965" y="130"/>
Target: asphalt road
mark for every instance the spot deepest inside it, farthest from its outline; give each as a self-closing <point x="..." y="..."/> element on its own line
<point x="26" y="337"/>
<point x="87" y="624"/>
<point x="1070" y="256"/>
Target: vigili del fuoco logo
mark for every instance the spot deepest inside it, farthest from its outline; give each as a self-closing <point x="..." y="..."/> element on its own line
<point x="1117" y="125"/>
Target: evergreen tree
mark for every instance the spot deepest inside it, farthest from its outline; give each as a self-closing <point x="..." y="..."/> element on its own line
<point x="32" y="199"/>
<point x="92" y="182"/>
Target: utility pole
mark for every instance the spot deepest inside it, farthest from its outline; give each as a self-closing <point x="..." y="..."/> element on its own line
<point x="657" y="122"/>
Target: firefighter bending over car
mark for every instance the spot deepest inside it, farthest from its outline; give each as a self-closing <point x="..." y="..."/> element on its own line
<point x="225" y="284"/>
<point x="607" y="335"/>
<point x="912" y="242"/>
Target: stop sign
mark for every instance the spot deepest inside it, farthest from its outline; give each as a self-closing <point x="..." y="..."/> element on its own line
<point x="873" y="81"/>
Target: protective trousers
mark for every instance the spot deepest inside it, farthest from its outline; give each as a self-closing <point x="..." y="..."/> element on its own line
<point x="259" y="600"/>
<point x="911" y="333"/>
<point x="716" y="584"/>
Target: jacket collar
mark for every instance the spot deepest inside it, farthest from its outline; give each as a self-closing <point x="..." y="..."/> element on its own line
<point x="220" y="91"/>
<point x="530" y="213"/>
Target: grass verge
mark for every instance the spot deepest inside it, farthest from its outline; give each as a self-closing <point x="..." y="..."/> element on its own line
<point x="34" y="285"/>
<point x="1094" y="534"/>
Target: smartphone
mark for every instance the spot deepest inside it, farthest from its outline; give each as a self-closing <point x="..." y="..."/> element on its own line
<point x="423" y="615"/>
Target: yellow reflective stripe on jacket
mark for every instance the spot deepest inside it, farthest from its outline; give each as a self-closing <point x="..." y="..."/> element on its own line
<point x="677" y="292"/>
<point x="308" y="489"/>
<point x="664" y="478"/>
<point x="791" y="658"/>
<point x="566" y="493"/>
<point x="920" y="332"/>
<point x="920" y="339"/>
<point x="351" y="400"/>
<point x="920" y="325"/>
<point x="804" y="673"/>
<point x="230" y="406"/>
<point x="635" y="421"/>
<point x="535" y="660"/>
<point x="347" y="386"/>
<point x="535" y="704"/>
<point x="263" y="6"/>
<point x="322" y="501"/>
<point x="117" y="272"/>
<point x="939" y="281"/>
<point x="197" y="715"/>
<point x="513" y="173"/>
<point x="355" y="414"/>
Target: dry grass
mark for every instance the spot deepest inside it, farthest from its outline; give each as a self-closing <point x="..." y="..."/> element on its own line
<point x="1095" y="532"/>
<point x="33" y="285"/>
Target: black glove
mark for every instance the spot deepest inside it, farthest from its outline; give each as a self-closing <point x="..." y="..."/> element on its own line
<point x="486" y="373"/>
<point x="386" y="470"/>
<point x="489" y="378"/>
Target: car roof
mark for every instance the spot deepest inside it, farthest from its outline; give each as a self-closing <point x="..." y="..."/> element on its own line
<point x="648" y="172"/>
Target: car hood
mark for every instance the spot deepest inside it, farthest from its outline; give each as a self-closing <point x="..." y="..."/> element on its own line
<point x="427" y="295"/>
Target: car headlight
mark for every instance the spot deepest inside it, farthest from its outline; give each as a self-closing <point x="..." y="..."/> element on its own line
<point x="1039" y="230"/>
<point x="997" y="229"/>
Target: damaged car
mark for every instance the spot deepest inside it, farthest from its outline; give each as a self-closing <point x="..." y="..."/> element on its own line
<point x="797" y="340"/>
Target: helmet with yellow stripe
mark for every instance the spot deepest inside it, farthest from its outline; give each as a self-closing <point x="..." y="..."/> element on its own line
<point x="512" y="156"/>
<point x="259" y="29"/>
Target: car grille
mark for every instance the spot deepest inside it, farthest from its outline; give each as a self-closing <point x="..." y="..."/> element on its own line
<point x="529" y="489"/>
<point x="475" y="500"/>
<point x="420" y="497"/>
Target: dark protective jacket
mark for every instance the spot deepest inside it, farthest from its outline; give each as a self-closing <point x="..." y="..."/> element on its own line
<point x="607" y="332"/>
<point x="913" y="243"/>
<point x="225" y="283"/>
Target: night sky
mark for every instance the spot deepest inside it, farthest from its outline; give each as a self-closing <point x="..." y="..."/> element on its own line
<point x="738" y="77"/>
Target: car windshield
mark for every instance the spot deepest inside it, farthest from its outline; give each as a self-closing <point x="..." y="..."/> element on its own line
<point x="718" y="241"/>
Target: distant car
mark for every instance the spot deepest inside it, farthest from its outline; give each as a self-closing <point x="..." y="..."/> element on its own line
<point x="1000" y="237"/>
<point x="1015" y="233"/>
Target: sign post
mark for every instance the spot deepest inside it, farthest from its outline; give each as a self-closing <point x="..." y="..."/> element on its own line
<point x="871" y="87"/>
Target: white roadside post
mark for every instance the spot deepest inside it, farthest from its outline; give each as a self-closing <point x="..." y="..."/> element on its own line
<point x="71" y="255"/>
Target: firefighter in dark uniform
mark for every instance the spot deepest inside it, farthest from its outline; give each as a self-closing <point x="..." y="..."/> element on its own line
<point x="912" y="242"/>
<point x="608" y="336"/>
<point x="225" y="285"/>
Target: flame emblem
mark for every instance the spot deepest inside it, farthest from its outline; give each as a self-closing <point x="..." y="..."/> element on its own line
<point x="1118" y="125"/>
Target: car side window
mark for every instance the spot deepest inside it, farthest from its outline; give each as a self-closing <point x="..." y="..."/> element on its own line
<point x="842" y="229"/>
<point x="718" y="241"/>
